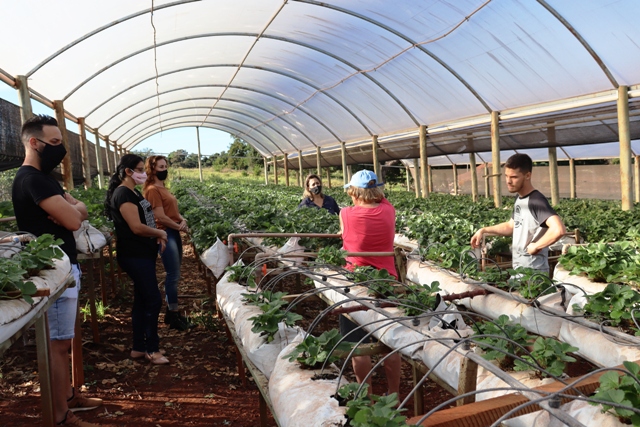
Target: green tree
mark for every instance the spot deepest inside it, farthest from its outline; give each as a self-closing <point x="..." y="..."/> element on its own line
<point x="176" y="158"/>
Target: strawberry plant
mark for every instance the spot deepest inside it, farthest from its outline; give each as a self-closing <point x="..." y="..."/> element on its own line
<point x="550" y="354"/>
<point x="609" y="263"/>
<point x="242" y="274"/>
<point x="370" y="410"/>
<point x="623" y="390"/>
<point x="313" y="352"/>
<point x="379" y="283"/>
<point x="420" y="299"/>
<point x="39" y="254"/>
<point x="614" y="304"/>
<point x="12" y="284"/>
<point x="501" y="327"/>
<point x="332" y="256"/>
<point x="272" y="314"/>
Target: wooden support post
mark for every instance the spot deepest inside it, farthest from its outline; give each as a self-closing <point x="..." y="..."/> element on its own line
<point x="553" y="166"/>
<point x="67" y="171"/>
<point x="416" y="181"/>
<point x="328" y="177"/>
<point x="376" y="161"/>
<point x="110" y="170"/>
<point x="429" y="179"/>
<point x="99" y="159"/>
<point x="116" y="158"/>
<point x="300" y="172"/>
<point x="625" y="148"/>
<point x="349" y="173"/>
<point x="467" y="380"/>
<point x="474" y="176"/>
<point x="495" y="158"/>
<point x="572" y="178"/>
<point x="424" y="162"/>
<point x="26" y="112"/>
<point x="199" y="154"/>
<point x="455" y="179"/>
<point x="275" y="169"/>
<point x="418" y="397"/>
<point x="266" y="171"/>
<point x="44" y="370"/>
<point x="84" y="148"/>
<point x="408" y="173"/>
<point x="636" y="170"/>
<point x="343" y="158"/>
<point x="286" y="169"/>
<point x="487" y="175"/>
<point x="318" y="162"/>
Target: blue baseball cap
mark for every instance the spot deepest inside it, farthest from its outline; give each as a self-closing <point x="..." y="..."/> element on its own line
<point x="362" y="178"/>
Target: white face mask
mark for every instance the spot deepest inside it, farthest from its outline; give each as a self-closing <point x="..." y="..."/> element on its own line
<point x="139" y="177"/>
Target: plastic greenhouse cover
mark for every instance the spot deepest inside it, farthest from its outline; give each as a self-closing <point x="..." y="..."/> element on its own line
<point x="290" y="75"/>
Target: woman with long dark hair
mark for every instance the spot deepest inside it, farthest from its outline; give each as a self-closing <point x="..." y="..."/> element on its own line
<point x="168" y="218"/>
<point x="137" y="248"/>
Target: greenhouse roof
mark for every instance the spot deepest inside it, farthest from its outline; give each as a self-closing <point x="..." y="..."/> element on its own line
<point x="289" y="75"/>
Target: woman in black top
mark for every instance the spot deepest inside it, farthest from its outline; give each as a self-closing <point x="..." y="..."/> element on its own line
<point x="137" y="248"/>
<point x="314" y="198"/>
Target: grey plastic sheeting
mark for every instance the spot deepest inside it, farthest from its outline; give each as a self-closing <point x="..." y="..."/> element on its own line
<point x="294" y="75"/>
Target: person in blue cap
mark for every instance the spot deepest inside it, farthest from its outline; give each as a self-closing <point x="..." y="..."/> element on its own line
<point x="369" y="226"/>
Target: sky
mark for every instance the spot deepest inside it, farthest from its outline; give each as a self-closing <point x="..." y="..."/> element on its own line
<point x="211" y="141"/>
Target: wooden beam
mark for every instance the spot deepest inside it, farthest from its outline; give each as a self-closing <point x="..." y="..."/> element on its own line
<point x="424" y="161"/>
<point x="429" y="179"/>
<point x="416" y="176"/>
<point x="275" y="169"/>
<point x="329" y="177"/>
<point x="99" y="159"/>
<point x="474" y="176"/>
<point x="343" y="155"/>
<point x="486" y="412"/>
<point x="199" y="154"/>
<point x="26" y="112"/>
<point x="495" y="158"/>
<point x="84" y="149"/>
<point x="625" y="148"/>
<point x="572" y="178"/>
<point x="286" y="169"/>
<point x="110" y="170"/>
<point x="455" y="179"/>
<point x="376" y="161"/>
<point x="266" y="171"/>
<point x="467" y="381"/>
<point x="553" y="165"/>
<point x="636" y="170"/>
<point x="300" y="171"/>
<point x="67" y="171"/>
<point x="318" y="162"/>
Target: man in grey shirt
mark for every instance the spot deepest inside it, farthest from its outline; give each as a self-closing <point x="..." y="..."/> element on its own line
<point x="534" y="224"/>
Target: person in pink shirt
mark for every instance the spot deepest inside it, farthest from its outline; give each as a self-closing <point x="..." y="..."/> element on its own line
<point x="369" y="226"/>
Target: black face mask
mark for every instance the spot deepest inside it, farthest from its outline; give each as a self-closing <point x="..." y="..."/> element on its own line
<point x="51" y="156"/>
<point x="162" y="175"/>
<point x="316" y="190"/>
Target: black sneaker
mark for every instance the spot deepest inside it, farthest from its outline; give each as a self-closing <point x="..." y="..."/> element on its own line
<point x="179" y="322"/>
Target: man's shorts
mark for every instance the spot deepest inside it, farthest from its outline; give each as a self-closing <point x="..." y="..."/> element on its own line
<point x="62" y="313"/>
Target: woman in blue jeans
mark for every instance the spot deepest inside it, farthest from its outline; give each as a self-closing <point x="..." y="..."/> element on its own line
<point x="168" y="218"/>
<point x="137" y="245"/>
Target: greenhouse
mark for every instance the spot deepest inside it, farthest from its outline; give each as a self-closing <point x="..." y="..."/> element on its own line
<point x="435" y="98"/>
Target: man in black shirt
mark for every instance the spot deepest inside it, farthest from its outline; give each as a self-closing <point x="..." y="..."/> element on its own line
<point x="41" y="206"/>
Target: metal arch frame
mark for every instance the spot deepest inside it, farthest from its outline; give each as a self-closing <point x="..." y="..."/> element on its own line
<point x="408" y="40"/>
<point x="217" y="108"/>
<point x="220" y="85"/>
<point x="241" y="34"/>
<point x="211" y="125"/>
<point x="219" y="117"/>
<point x="198" y="115"/>
<point x="105" y="27"/>
<point x="331" y="97"/>
<point x="581" y="40"/>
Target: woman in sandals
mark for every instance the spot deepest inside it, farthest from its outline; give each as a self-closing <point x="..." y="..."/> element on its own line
<point x="137" y="245"/>
<point x="168" y="218"/>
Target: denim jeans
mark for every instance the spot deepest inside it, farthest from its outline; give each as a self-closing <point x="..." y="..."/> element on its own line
<point x="146" y="302"/>
<point x="172" y="260"/>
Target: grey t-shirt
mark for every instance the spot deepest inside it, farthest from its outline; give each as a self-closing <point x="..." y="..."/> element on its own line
<point x="530" y="214"/>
